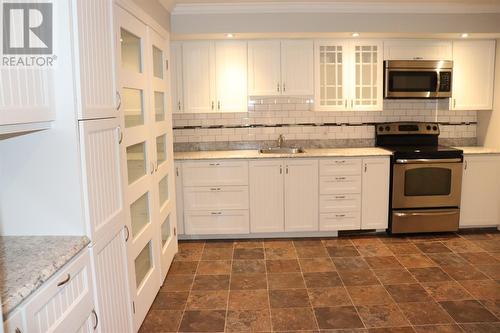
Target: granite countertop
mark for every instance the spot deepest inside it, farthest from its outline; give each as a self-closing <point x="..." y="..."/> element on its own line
<point x="26" y="262"/>
<point x="251" y="154"/>
<point x="479" y="150"/>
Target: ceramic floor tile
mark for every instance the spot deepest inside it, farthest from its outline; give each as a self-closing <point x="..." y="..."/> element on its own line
<point x="286" y="281"/>
<point x="464" y="272"/>
<point x="316" y="265"/>
<point x="350" y="263"/>
<point x="170" y="300"/>
<point x="322" y="279"/>
<point x="292" y="319"/>
<point x="183" y="267"/>
<point x="480" y="258"/>
<point x="203" y="321"/>
<point x="429" y="274"/>
<point x="403" y="293"/>
<point x="446" y="328"/>
<point x="385" y="262"/>
<point x="403" y="248"/>
<point x="178" y="283"/>
<point x="273" y="253"/>
<point x="311" y="251"/>
<point x="216" y="267"/>
<point x="328" y="297"/>
<point x="291" y="298"/>
<point x="493" y="271"/>
<point x="340" y="317"/>
<point x="248" y="266"/>
<point x="481" y="327"/>
<point x="469" y="311"/>
<point x="343" y="251"/>
<point x="446" y="291"/>
<point x="248" y="321"/>
<point x="425" y="313"/>
<point x="358" y="277"/>
<point x="282" y="266"/>
<point x="248" y="281"/>
<point x="211" y="282"/>
<point x="387" y="315"/>
<point x="248" y="244"/>
<point x="369" y="295"/>
<point x="207" y="300"/>
<point x="248" y="300"/>
<point x="244" y="253"/>
<point x="217" y="253"/>
<point x="160" y="321"/>
<point x="394" y="276"/>
<point x="484" y="289"/>
<point x="415" y="260"/>
<point x="374" y="250"/>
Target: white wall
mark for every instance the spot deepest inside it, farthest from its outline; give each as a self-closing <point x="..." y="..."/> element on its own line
<point x="489" y="121"/>
<point x="334" y="22"/>
<point x="154" y="9"/>
<point x="40" y="184"/>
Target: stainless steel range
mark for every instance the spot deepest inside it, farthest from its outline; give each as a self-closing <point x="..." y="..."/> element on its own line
<point x="426" y="178"/>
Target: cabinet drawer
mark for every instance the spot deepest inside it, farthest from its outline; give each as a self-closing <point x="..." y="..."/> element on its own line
<point x="340" y="166"/>
<point x="14" y="323"/>
<point x="216" y="198"/>
<point x="66" y="300"/>
<point x="340" y="203"/>
<point x="340" y="184"/>
<point x="217" y="222"/>
<point x="215" y="173"/>
<point x="339" y="221"/>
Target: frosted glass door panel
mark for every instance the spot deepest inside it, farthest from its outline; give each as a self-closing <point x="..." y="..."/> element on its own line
<point x="161" y="149"/>
<point x="163" y="190"/>
<point x="139" y="212"/>
<point x="367" y="94"/>
<point x="159" y="104"/>
<point x="136" y="161"/>
<point x="330" y="65"/>
<point x="157" y="62"/>
<point x="133" y="107"/>
<point x="143" y="264"/>
<point x="165" y="231"/>
<point x="131" y="47"/>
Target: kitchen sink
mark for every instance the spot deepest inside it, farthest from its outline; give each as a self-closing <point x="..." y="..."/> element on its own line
<point x="281" y="150"/>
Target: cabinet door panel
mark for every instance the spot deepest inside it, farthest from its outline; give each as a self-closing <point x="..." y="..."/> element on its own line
<point x="331" y="74"/>
<point x="96" y="59"/>
<point x="339" y="221"/>
<point x="480" y="192"/>
<point x="473" y="73"/>
<point x="102" y="177"/>
<point x="264" y="77"/>
<point x="176" y="77"/>
<point x="216" y="198"/>
<point x="215" y="173"/>
<point x="366" y="80"/>
<point x="198" y="76"/>
<point x="231" y="76"/>
<point x="417" y="50"/>
<point x="266" y="196"/>
<point x="113" y="303"/>
<point x="217" y="222"/>
<point x="179" y="198"/>
<point x="297" y="67"/>
<point x="375" y="193"/>
<point x="301" y="195"/>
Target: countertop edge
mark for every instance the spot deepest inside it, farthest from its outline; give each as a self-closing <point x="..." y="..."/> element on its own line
<point x="10" y="304"/>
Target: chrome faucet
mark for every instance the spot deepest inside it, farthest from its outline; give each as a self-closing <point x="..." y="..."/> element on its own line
<point x="281" y="140"/>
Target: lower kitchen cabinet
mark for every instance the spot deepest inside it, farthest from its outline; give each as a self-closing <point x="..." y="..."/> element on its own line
<point x="301" y="195"/>
<point x="267" y="206"/>
<point x="480" y="203"/>
<point x="375" y="193"/>
<point x="14" y="323"/>
<point x="217" y="222"/>
<point x="284" y="195"/>
<point x="179" y="198"/>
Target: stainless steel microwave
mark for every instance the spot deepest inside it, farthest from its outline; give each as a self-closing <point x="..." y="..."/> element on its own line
<point x="417" y="79"/>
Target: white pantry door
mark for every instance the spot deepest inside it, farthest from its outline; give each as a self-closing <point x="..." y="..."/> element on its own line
<point x="162" y="138"/>
<point x="138" y="156"/>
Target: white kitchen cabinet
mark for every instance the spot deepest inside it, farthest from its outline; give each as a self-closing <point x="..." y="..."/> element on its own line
<point x="301" y="195"/>
<point x="111" y="285"/>
<point x="480" y="191"/>
<point x="266" y="186"/>
<point x="231" y="76"/>
<point x="215" y="173"/>
<point x="14" y="323"/>
<point x="217" y="222"/>
<point x="417" y="50"/>
<point x="375" y="193"/>
<point x="179" y="198"/>
<point x="264" y="68"/>
<point x="348" y="75"/>
<point x="297" y="67"/>
<point x="214" y="76"/>
<point x="280" y="68"/>
<point x="65" y="302"/>
<point x="473" y="75"/>
<point x="96" y="60"/>
<point x="101" y="173"/>
<point x="198" y="76"/>
<point x="176" y="77"/>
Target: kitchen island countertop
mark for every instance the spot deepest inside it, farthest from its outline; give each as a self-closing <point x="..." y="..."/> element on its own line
<point x="26" y="262"/>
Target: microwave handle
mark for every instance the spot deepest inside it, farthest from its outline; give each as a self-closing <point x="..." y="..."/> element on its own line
<point x="438" y="81"/>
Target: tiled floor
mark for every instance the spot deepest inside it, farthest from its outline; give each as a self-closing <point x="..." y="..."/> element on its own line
<point x="446" y="283"/>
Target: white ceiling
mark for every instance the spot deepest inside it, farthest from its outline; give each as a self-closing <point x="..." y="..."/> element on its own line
<point x="171" y="3"/>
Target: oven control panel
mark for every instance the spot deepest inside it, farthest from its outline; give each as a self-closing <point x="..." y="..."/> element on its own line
<point x="400" y="128"/>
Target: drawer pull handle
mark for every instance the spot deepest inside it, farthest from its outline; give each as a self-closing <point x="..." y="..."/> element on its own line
<point x="96" y="319"/>
<point x="340" y="178"/>
<point x="339" y="215"/>
<point x="128" y="234"/>
<point x="340" y="162"/>
<point x="214" y="164"/>
<point x="63" y="282"/>
<point x="340" y="197"/>
<point x="17" y="330"/>
<point x="215" y="189"/>
<point x="216" y="213"/>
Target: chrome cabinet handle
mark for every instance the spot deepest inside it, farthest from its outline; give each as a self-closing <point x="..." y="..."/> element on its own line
<point x="96" y="319"/>
<point x="213" y="105"/>
<point x="281" y="170"/>
<point x="156" y="166"/>
<point x="366" y="167"/>
<point x="352" y="103"/>
<point x="152" y="165"/>
<point x="120" y="135"/>
<point x="340" y="161"/>
<point x="218" y="105"/>
<point x="177" y="171"/>
<point x="128" y="234"/>
<point x="418" y="58"/>
<point x="465" y="165"/>
<point x="179" y="105"/>
<point x="214" y="164"/>
<point x="454" y="103"/>
<point x="340" y="178"/>
<point x="216" y="213"/>
<point x="66" y="280"/>
<point x="119" y="98"/>
<point x="339" y="215"/>
<point x="340" y="197"/>
<point x="215" y="189"/>
<point x="345" y="104"/>
<point x="284" y="87"/>
<point x="278" y="87"/>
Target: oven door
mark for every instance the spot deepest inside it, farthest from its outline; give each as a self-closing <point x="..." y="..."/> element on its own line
<point x="415" y="83"/>
<point x="427" y="183"/>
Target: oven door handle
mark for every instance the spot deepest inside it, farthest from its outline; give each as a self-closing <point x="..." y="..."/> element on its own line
<point x="428" y="160"/>
<point x="449" y="212"/>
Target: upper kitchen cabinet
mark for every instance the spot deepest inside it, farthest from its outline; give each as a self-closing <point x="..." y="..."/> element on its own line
<point x="348" y="75"/>
<point x="280" y="68"/>
<point x="214" y="76"/>
<point x="95" y="59"/>
<point x="417" y="50"/>
<point x="176" y="76"/>
<point x="473" y="75"/>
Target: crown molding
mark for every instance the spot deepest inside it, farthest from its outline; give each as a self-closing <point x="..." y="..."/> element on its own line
<point x="336" y="7"/>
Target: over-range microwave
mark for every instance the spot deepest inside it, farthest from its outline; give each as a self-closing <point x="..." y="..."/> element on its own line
<point x="417" y="79"/>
